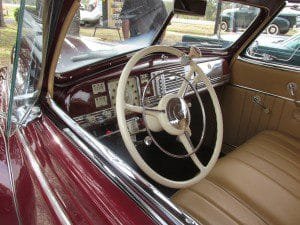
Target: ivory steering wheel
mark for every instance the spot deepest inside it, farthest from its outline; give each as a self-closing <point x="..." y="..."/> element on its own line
<point x="158" y="118"/>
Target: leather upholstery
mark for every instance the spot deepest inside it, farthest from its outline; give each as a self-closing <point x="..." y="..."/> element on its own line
<point x="258" y="183"/>
<point x="244" y="119"/>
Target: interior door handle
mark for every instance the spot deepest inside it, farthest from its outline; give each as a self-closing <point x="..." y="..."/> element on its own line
<point x="292" y="88"/>
<point x="257" y="100"/>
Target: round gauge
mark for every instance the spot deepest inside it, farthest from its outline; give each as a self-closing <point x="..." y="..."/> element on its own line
<point x="131" y="93"/>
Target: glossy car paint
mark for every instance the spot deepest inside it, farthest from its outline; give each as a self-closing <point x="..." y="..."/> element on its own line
<point x="56" y="184"/>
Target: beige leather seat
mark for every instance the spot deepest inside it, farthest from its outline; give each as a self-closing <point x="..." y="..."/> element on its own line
<point x="258" y="183"/>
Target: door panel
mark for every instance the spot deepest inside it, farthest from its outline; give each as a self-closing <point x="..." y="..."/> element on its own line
<point x="243" y="118"/>
<point x="263" y="78"/>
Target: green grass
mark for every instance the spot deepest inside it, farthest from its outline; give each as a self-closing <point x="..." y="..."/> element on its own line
<point x="7" y="41"/>
<point x="7" y="36"/>
<point x="201" y="29"/>
<point x="9" y="11"/>
<point x="292" y="32"/>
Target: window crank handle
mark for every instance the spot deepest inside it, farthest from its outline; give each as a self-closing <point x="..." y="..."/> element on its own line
<point x="257" y="100"/>
<point x="292" y="88"/>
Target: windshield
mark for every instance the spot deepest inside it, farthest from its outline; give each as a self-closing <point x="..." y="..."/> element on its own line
<point x="220" y="27"/>
<point x="106" y="29"/>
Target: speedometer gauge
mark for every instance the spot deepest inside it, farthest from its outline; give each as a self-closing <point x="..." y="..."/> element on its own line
<point x="131" y="93"/>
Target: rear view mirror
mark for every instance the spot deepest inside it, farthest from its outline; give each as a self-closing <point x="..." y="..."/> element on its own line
<point x="190" y="7"/>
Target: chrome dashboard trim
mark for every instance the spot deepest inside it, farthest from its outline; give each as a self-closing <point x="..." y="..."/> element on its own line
<point x="151" y="200"/>
<point x="262" y="92"/>
<point x="270" y="65"/>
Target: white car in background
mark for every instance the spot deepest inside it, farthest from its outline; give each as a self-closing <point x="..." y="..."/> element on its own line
<point x="90" y="17"/>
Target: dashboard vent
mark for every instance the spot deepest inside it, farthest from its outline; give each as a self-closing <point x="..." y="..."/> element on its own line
<point x="168" y="82"/>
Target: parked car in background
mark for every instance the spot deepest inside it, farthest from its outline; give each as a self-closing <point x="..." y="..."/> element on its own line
<point x="242" y="17"/>
<point x="90" y="17"/>
<point x="281" y="51"/>
<point x="272" y="48"/>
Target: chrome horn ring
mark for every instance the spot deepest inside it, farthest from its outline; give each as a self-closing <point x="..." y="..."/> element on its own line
<point x="175" y="117"/>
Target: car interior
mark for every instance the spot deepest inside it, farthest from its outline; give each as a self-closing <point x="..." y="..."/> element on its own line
<point x="217" y="134"/>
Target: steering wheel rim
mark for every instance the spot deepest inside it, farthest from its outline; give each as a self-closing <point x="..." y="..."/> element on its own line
<point x="121" y="117"/>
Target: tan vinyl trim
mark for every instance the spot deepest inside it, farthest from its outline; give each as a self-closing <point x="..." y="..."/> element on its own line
<point x="263" y="92"/>
<point x="59" y="44"/>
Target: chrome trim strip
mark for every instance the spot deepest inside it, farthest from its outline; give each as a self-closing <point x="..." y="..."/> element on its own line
<point x="262" y="92"/>
<point x="11" y="175"/>
<point x="270" y="65"/>
<point x="150" y="199"/>
<point x="55" y="204"/>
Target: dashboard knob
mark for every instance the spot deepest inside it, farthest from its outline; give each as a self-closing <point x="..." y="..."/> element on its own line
<point x="148" y="140"/>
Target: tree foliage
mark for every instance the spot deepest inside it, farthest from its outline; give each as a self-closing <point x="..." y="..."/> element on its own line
<point x="211" y="11"/>
<point x="2" y="23"/>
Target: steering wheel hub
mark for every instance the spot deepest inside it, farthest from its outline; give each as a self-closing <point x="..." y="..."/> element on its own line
<point x="178" y="113"/>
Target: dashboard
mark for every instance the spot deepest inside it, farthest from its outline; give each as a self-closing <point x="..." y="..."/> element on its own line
<point x="104" y="99"/>
<point x="92" y="103"/>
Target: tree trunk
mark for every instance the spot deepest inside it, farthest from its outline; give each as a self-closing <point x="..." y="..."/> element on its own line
<point x="38" y="7"/>
<point x="218" y="17"/>
<point x="74" y="29"/>
<point x="2" y="23"/>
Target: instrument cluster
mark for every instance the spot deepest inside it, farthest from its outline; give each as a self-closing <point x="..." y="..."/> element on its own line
<point x="104" y="93"/>
<point x="132" y="95"/>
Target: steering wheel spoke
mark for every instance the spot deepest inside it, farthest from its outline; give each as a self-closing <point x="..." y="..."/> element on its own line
<point x="185" y="84"/>
<point x="188" y="145"/>
<point x="134" y="108"/>
<point x="153" y="111"/>
<point x="200" y="75"/>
